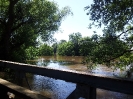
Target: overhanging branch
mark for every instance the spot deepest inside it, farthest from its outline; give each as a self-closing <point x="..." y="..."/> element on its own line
<point x="126" y="51"/>
<point x="125" y="32"/>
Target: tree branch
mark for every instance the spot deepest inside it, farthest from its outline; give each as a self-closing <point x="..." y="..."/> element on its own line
<point x="20" y="24"/>
<point x="119" y="55"/>
<point x="125" y="32"/>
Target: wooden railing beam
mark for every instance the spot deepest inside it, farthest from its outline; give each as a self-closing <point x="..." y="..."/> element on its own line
<point x="6" y="86"/>
<point x="93" y="80"/>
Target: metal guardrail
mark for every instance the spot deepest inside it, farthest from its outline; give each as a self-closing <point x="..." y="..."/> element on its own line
<point x="82" y="79"/>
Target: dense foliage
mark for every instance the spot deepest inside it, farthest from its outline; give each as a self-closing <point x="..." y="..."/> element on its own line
<point x="45" y="50"/>
<point x="115" y="46"/>
<point x="23" y="21"/>
<point x="66" y="48"/>
<point x="76" y="46"/>
<point x="87" y="45"/>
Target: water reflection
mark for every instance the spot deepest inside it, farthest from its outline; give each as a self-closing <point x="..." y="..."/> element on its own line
<point x="55" y="63"/>
<point x="42" y="62"/>
<point x="59" y="89"/>
<point x="74" y="63"/>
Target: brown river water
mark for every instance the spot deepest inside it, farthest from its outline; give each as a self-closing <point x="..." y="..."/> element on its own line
<point x="59" y="89"/>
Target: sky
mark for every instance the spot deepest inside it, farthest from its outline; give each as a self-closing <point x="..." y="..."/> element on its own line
<point x="78" y="22"/>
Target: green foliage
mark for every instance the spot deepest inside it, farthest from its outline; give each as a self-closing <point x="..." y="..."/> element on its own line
<point x="114" y="14"/>
<point x="74" y="38"/>
<point x="31" y="53"/>
<point x="77" y="46"/>
<point x="24" y="54"/>
<point x="45" y="50"/>
<point x="115" y="47"/>
<point x="107" y="50"/>
<point x="54" y="46"/>
<point x="66" y="48"/>
<point x="22" y="21"/>
<point x="62" y="41"/>
<point x="124" y="60"/>
<point x="72" y="47"/>
<point x="86" y="46"/>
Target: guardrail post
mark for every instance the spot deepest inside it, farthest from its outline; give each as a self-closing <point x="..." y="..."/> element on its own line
<point x="84" y="91"/>
<point x="20" y="75"/>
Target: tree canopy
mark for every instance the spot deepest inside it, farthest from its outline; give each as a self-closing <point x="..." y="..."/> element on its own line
<point x="74" y="38"/>
<point x="45" y="50"/>
<point x="114" y="14"/>
<point x="76" y="46"/>
<point x="115" y="46"/>
<point x="22" y="21"/>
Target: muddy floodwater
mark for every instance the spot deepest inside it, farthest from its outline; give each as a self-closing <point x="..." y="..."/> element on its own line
<point x="59" y="89"/>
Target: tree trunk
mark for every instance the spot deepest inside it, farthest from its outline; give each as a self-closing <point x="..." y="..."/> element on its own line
<point x="5" y="39"/>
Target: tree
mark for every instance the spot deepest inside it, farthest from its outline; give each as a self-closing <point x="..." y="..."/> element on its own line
<point x="116" y="43"/>
<point x="45" y="50"/>
<point x="62" y="41"/>
<point x="55" y="46"/>
<point x="74" y="38"/>
<point x="66" y="48"/>
<point x="86" y="46"/>
<point x="31" y="53"/>
<point x="22" y="21"/>
<point x="114" y="14"/>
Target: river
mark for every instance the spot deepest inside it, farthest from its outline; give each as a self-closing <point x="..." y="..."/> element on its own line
<point x="59" y="89"/>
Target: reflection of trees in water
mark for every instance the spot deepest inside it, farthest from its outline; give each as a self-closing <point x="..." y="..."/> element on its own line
<point x="42" y="62"/>
<point x="67" y="63"/>
<point x="48" y="62"/>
